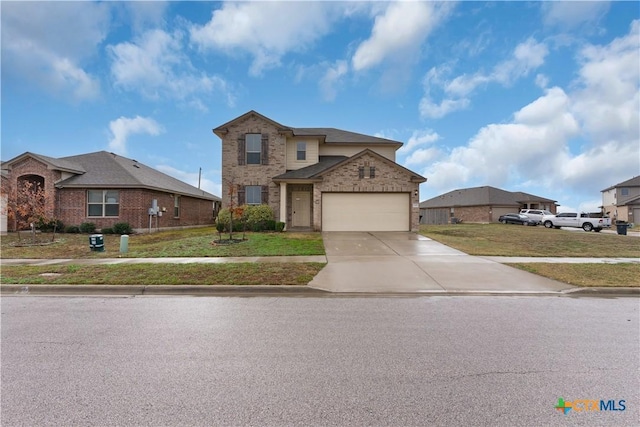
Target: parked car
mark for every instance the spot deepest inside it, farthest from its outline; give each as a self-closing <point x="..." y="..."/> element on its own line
<point x="573" y="219"/>
<point x="536" y="214"/>
<point x="513" y="218"/>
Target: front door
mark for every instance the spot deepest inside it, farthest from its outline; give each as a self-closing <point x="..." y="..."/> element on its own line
<point x="301" y="215"/>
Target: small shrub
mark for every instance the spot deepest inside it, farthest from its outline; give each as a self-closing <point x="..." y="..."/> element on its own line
<point x="87" y="227"/>
<point x="122" y="228"/>
<point x="72" y="229"/>
<point x="279" y="226"/>
<point x="49" y="226"/>
<point x="107" y="230"/>
<point x="270" y="225"/>
<point x="257" y="214"/>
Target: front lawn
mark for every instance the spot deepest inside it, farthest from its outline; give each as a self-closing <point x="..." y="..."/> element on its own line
<point x="195" y="242"/>
<point x="587" y="275"/>
<point x="516" y="240"/>
<point x="241" y="274"/>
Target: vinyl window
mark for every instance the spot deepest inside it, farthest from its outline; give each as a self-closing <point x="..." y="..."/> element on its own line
<point x="102" y="203"/>
<point x="301" y="151"/>
<point x="254" y="148"/>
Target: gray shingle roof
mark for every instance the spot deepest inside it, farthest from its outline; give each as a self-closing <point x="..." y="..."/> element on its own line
<point x="330" y="135"/>
<point x="105" y="169"/>
<point x="333" y="135"/>
<point x="481" y="196"/>
<point x="324" y="163"/>
<point x="633" y="182"/>
<point x="58" y="164"/>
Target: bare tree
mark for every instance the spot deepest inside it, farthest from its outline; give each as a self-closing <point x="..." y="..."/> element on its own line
<point x="28" y="204"/>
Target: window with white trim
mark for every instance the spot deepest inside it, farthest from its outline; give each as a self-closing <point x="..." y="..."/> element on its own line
<point x="103" y="203"/>
<point x="301" y="151"/>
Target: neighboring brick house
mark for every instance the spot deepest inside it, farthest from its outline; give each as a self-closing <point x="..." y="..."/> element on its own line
<point x="105" y="188"/>
<point x="318" y="178"/>
<point x="479" y="204"/>
<point x="622" y="201"/>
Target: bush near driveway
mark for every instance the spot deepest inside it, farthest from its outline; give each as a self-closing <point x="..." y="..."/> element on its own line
<point x="503" y="240"/>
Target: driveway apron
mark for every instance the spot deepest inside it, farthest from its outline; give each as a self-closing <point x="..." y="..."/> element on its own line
<point x="409" y="262"/>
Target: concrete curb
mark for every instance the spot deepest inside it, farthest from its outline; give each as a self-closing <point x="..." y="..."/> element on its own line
<point x="249" y="291"/>
<point x="139" y="290"/>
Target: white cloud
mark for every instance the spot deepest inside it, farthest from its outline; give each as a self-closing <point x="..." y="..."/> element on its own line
<point x="333" y="76"/>
<point x="570" y="14"/>
<point x="419" y="138"/>
<point x="539" y="146"/>
<point x="123" y="127"/>
<point x="156" y="66"/>
<point x="526" y="57"/>
<point x="398" y="32"/>
<point x="48" y="51"/>
<point x="265" y="30"/>
<point x="192" y="178"/>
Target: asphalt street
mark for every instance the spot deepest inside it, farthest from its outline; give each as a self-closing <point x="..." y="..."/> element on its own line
<point x="266" y="361"/>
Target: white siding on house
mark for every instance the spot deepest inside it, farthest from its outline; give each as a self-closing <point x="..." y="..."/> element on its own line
<point x="312" y="153"/>
<point x="351" y="150"/>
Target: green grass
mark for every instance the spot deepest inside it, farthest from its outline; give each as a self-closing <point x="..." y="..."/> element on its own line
<point x="239" y="274"/>
<point x="514" y="240"/>
<point x="587" y="275"/>
<point x="196" y="242"/>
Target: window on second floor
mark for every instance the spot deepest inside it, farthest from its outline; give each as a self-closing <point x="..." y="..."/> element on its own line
<point x="624" y="191"/>
<point x="301" y="151"/>
<point x="103" y="203"/>
<point x="254" y="149"/>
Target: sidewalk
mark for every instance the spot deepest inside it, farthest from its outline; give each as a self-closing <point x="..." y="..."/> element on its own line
<point x="512" y="287"/>
<point x="185" y="260"/>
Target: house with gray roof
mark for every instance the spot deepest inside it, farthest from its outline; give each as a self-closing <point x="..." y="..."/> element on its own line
<point x="105" y="188"/>
<point x="622" y="201"/>
<point x="479" y="204"/>
<point x="319" y="178"/>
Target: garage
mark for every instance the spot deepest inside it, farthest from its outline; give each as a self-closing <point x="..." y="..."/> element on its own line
<point x="366" y="212"/>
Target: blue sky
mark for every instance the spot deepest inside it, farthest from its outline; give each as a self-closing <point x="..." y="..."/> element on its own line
<point x="541" y="97"/>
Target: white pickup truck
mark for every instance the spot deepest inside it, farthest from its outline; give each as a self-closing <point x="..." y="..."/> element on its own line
<point x="572" y="219"/>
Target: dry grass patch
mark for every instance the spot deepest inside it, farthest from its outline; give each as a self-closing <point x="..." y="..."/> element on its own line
<point x="587" y="275"/>
<point x="241" y="274"/>
<point x="514" y="240"/>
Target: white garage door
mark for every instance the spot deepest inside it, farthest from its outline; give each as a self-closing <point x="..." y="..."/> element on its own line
<point x="365" y="211"/>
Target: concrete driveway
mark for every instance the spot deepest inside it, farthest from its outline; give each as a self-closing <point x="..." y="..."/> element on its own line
<point x="409" y="262"/>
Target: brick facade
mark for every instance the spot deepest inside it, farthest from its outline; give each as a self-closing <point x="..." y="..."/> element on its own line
<point x="134" y="209"/>
<point x="69" y="205"/>
<point x="234" y="174"/>
<point x="389" y="177"/>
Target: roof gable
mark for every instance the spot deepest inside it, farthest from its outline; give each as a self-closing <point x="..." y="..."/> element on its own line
<point x="414" y="176"/>
<point x="51" y="163"/>
<point x="224" y="128"/>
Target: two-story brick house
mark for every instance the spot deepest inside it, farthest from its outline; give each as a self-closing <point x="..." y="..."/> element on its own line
<point x="106" y="188"/>
<point x="622" y="201"/>
<point x="317" y="178"/>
